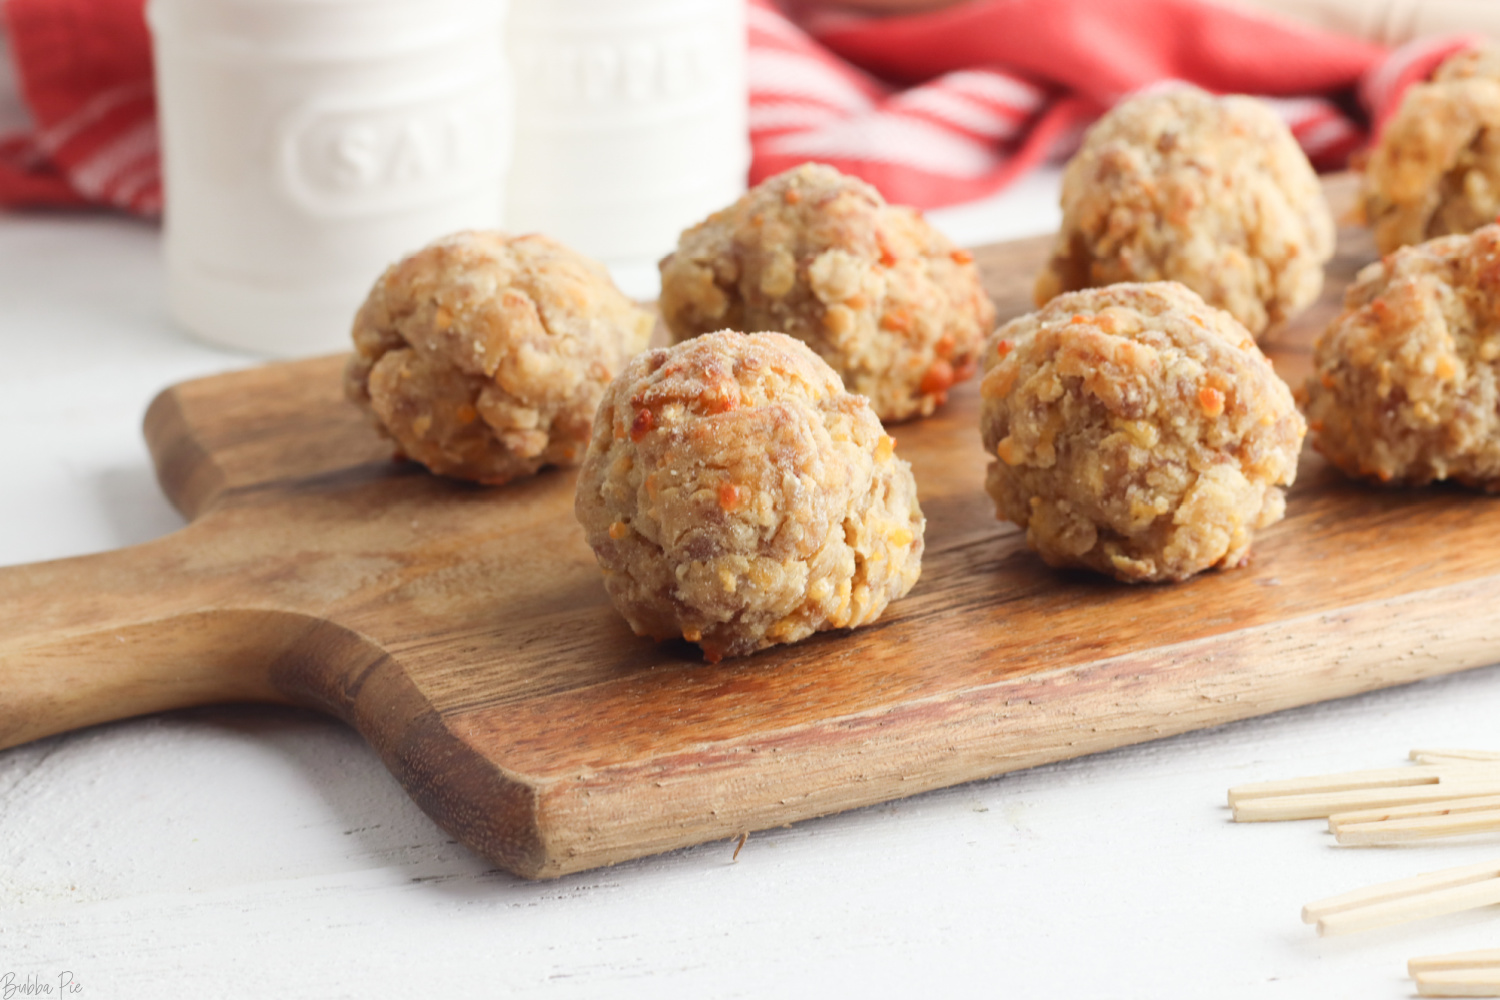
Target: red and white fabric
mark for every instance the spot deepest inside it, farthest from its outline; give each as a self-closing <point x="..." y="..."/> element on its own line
<point x="932" y="108"/>
<point x="949" y="106"/>
<point x="84" y="68"/>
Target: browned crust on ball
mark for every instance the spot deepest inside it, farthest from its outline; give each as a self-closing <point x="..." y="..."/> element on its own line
<point x="483" y="355"/>
<point x="1436" y="168"/>
<point x="1210" y="192"/>
<point x="876" y="291"/>
<point x="1405" y="387"/>
<point x="1137" y="431"/>
<point x="737" y="496"/>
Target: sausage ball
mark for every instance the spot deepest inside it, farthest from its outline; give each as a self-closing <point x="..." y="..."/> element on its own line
<point x="736" y="496"/>
<point x="1212" y="192"/>
<point x="1406" y="381"/>
<point x="483" y="355"/>
<point x="1137" y="431"/>
<point x="1436" y="168"/>
<point x="880" y="295"/>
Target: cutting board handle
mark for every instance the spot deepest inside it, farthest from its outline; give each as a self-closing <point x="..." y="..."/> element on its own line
<point x="108" y="636"/>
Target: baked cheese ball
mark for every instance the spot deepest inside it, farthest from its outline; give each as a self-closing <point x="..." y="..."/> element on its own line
<point x="877" y="292"/>
<point x="1212" y="192"/>
<point x="1137" y="431"/>
<point x="483" y="355"/>
<point x="1405" y="386"/>
<point x="737" y="496"/>
<point x="1436" y="168"/>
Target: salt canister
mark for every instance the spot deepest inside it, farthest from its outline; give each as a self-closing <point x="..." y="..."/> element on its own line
<point x="309" y="143"/>
<point x="630" y="120"/>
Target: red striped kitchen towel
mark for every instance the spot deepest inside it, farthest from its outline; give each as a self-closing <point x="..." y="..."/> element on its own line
<point x="84" y="70"/>
<point x="934" y="108"/>
<point x="945" y="107"/>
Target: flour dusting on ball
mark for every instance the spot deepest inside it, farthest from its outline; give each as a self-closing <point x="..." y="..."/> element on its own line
<point x="737" y="496"/>
<point x="1211" y="192"/>
<point x="1137" y="431"/>
<point x="1405" y="386"/>
<point x="483" y="355"/>
<point x="876" y="291"/>
<point x="1436" y="169"/>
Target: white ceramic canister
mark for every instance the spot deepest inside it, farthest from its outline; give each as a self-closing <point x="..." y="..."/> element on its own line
<point x="631" y="121"/>
<point x="306" y="144"/>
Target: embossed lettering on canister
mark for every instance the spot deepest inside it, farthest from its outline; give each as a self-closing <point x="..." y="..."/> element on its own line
<point x="630" y="120"/>
<point x="309" y="143"/>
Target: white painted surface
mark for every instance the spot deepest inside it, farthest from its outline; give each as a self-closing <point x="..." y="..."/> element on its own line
<point x="249" y="852"/>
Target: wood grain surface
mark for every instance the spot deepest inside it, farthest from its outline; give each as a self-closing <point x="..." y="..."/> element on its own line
<point x="464" y="631"/>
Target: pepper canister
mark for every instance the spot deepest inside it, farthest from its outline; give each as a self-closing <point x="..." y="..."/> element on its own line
<point x="631" y="121"/>
<point x="306" y="144"/>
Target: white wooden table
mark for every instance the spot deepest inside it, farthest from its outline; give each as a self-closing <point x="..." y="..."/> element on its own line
<point x="258" y="852"/>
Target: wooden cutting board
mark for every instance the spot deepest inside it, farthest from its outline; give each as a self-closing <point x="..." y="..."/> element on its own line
<point x="464" y="631"/>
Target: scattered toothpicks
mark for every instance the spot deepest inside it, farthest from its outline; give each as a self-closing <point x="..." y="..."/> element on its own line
<point x="1451" y="890"/>
<point x="1332" y="795"/>
<point x="1404" y="824"/>
<point x="739" y="847"/>
<point x="1461" y="974"/>
<point x="1455" y="756"/>
<point x="1445" y="793"/>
